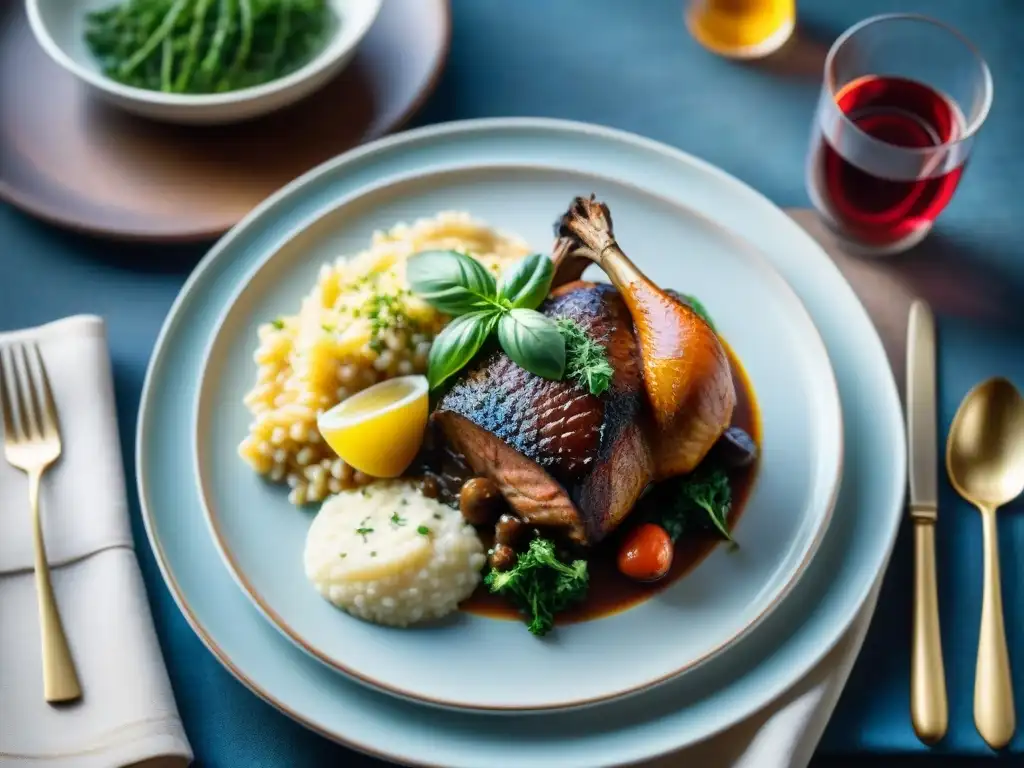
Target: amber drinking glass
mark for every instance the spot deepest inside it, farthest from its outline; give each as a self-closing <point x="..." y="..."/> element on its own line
<point x="741" y="29"/>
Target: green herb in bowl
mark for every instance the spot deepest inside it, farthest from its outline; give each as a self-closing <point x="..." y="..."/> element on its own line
<point x="207" y="46"/>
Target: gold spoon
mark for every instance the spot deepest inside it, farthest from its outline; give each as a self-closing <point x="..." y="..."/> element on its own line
<point x="985" y="461"/>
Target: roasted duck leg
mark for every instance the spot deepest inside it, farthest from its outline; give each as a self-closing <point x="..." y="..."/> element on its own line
<point x="686" y="371"/>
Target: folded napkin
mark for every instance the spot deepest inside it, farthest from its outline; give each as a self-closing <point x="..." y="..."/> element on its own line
<point x="786" y="733"/>
<point x="127" y="713"/>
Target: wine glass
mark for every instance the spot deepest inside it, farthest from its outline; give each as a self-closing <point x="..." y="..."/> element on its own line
<point x="903" y="98"/>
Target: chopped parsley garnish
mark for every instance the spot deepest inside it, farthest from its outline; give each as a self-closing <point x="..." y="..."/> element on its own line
<point x="386" y="312"/>
<point x="541" y="585"/>
<point x="373" y="554"/>
<point x="343" y="554"/>
<point x="423" y="530"/>
<point x="397" y="519"/>
<point x="278" y="323"/>
<point x="586" y="361"/>
<point x="363" y="532"/>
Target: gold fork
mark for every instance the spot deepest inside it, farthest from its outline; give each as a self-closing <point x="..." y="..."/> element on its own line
<point x="32" y="443"/>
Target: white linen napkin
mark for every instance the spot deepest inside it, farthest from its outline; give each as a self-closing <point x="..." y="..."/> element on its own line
<point x="127" y="713"/>
<point x="786" y="733"/>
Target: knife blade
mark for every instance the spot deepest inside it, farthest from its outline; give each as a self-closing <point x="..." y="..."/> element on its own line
<point x="922" y="432"/>
<point x="929" y="708"/>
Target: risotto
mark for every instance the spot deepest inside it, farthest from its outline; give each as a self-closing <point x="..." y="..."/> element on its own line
<point x="360" y="324"/>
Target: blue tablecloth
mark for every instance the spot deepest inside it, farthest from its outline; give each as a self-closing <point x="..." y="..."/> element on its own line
<point x="633" y="66"/>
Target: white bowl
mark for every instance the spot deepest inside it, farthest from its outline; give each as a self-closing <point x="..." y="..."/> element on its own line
<point x="59" y="25"/>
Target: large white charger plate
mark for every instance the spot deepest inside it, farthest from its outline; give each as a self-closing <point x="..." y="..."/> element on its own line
<point x="262" y="536"/>
<point x="719" y="693"/>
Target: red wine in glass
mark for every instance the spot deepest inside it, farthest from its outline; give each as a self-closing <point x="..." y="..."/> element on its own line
<point x="873" y="192"/>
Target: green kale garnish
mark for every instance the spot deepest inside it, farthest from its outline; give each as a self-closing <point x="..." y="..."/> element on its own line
<point x="541" y="585"/>
<point x="699" y="501"/>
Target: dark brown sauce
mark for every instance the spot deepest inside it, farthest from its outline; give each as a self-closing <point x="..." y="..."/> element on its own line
<point x="611" y="592"/>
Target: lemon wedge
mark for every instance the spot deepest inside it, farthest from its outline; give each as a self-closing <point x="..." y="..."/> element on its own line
<point x="380" y="429"/>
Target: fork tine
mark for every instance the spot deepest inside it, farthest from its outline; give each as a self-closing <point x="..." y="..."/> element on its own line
<point x="49" y="420"/>
<point x="10" y="428"/>
<point x="27" y="403"/>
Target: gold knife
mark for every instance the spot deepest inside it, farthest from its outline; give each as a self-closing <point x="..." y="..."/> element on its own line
<point x="929" y="709"/>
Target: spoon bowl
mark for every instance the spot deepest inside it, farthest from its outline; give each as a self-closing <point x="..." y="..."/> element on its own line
<point x="985" y="452"/>
<point x="985" y="462"/>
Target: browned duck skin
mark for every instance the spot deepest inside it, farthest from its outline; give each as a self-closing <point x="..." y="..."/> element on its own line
<point x="565" y="460"/>
<point x="686" y="371"/>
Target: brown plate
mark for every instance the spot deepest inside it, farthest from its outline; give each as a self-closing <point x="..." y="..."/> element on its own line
<point x="72" y="160"/>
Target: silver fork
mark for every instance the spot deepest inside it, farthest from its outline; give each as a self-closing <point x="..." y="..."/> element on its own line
<point x="32" y="443"/>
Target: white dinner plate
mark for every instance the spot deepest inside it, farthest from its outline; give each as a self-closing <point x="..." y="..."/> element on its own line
<point x="262" y="536"/>
<point x="718" y="693"/>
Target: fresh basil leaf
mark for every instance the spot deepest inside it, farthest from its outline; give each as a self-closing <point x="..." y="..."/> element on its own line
<point x="457" y="344"/>
<point x="451" y="282"/>
<point x="533" y="341"/>
<point x="526" y="283"/>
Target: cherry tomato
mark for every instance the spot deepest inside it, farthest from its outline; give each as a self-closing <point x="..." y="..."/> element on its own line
<point x="646" y="553"/>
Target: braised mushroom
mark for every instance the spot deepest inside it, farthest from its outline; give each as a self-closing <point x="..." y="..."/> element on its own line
<point x="429" y="487"/>
<point x="502" y="557"/>
<point x="480" y="501"/>
<point x="509" y="530"/>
